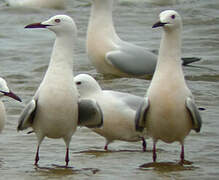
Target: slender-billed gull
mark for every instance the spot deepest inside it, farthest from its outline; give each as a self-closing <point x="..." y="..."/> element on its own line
<point x="54" y="4"/>
<point x="168" y="111"/>
<point x="53" y="111"/>
<point x="118" y="111"/>
<point x="111" y="55"/>
<point x="4" y="91"/>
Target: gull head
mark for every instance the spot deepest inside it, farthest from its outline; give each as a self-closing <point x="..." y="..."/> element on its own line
<point x="59" y="24"/>
<point x="86" y="84"/>
<point x="169" y="20"/>
<point x="4" y="90"/>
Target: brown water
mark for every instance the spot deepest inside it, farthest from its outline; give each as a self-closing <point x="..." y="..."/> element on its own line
<point x="25" y="56"/>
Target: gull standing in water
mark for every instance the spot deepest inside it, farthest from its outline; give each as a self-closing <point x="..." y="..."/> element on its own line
<point x="168" y="111"/>
<point x="53" y="111"/>
<point x="53" y="4"/>
<point x="4" y="91"/>
<point x="111" y="55"/>
<point x="118" y="111"/>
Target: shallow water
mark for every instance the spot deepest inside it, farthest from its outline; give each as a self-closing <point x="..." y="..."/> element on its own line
<point x="24" y="59"/>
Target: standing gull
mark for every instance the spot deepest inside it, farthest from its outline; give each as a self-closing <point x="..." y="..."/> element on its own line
<point x="118" y="111"/>
<point x="111" y="55"/>
<point x="53" y="111"/>
<point x="169" y="111"/>
<point x="4" y="91"/>
<point x="54" y="4"/>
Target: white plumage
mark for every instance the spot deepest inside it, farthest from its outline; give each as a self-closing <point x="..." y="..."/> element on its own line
<point x="118" y="111"/>
<point x="111" y="55"/>
<point x="53" y="112"/>
<point x="169" y="112"/>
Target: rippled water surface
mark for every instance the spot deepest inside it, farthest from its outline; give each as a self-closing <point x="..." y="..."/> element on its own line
<point x="24" y="59"/>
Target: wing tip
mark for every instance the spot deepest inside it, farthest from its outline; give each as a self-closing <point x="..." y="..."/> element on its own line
<point x="140" y="116"/>
<point x="20" y="128"/>
<point x="139" y="128"/>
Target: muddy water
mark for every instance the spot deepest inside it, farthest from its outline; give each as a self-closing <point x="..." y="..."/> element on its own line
<point x="24" y="59"/>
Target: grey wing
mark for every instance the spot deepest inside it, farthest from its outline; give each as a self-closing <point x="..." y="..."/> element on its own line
<point x="195" y="115"/>
<point x="132" y="60"/>
<point x="90" y="113"/>
<point x="132" y="101"/>
<point x="27" y="115"/>
<point x="141" y="115"/>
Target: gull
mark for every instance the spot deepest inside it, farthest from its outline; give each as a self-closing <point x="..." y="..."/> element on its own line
<point x="4" y="91"/>
<point x="53" y="111"/>
<point x="54" y="4"/>
<point x="111" y="55"/>
<point x="118" y="111"/>
<point x="169" y="112"/>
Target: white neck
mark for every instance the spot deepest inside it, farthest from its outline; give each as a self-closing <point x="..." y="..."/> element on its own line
<point x="169" y="58"/>
<point x="62" y="54"/>
<point x="92" y="88"/>
<point x="101" y="15"/>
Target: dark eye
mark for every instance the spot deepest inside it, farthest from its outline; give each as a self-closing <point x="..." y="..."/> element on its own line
<point x="78" y="83"/>
<point x="57" y="20"/>
<point x="173" y="16"/>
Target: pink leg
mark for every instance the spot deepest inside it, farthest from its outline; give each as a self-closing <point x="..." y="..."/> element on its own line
<point x="154" y="152"/>
<point x="37" y="156"/>
<point x="182" y="154"/>
<point x="144" y="144"/>
<point x="67" y="157"/>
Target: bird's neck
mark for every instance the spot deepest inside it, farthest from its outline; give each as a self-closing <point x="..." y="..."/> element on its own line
<point x="101" y="15"/>
<point x="62" y="54"/>
<point x="91" y="90"/>
<point x="169" y="58"/>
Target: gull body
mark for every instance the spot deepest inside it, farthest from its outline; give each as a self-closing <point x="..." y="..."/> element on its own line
<point x="111" y="55"/>
<point x="169" y="112"/>
<point x="118" y="111"/>
<point x="108" y="53"/>
<point x="54" y="4"/>
<point x="5" y="92"/>
<point x="53" y="111"/>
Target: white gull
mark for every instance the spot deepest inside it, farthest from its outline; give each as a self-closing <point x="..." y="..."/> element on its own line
<point x="118" y="111"/>
<point x="53" y="111"/>
<point x="4" y="91"/>
<point x="111" y="55"/>
<point x="169" y="111"/>
<point x="54" y="4"/>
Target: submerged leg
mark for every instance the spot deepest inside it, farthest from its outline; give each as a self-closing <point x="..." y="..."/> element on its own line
<point x="67" y="142"/>
<point x="144" y="144"/>
<point x="37" y="156"/>
<point x="182" y="154"/>
<point x="154" y="152"/>
<point x="40" y="139"/>
<point x="67" y="157"/>
<point x="106" y="145"/>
